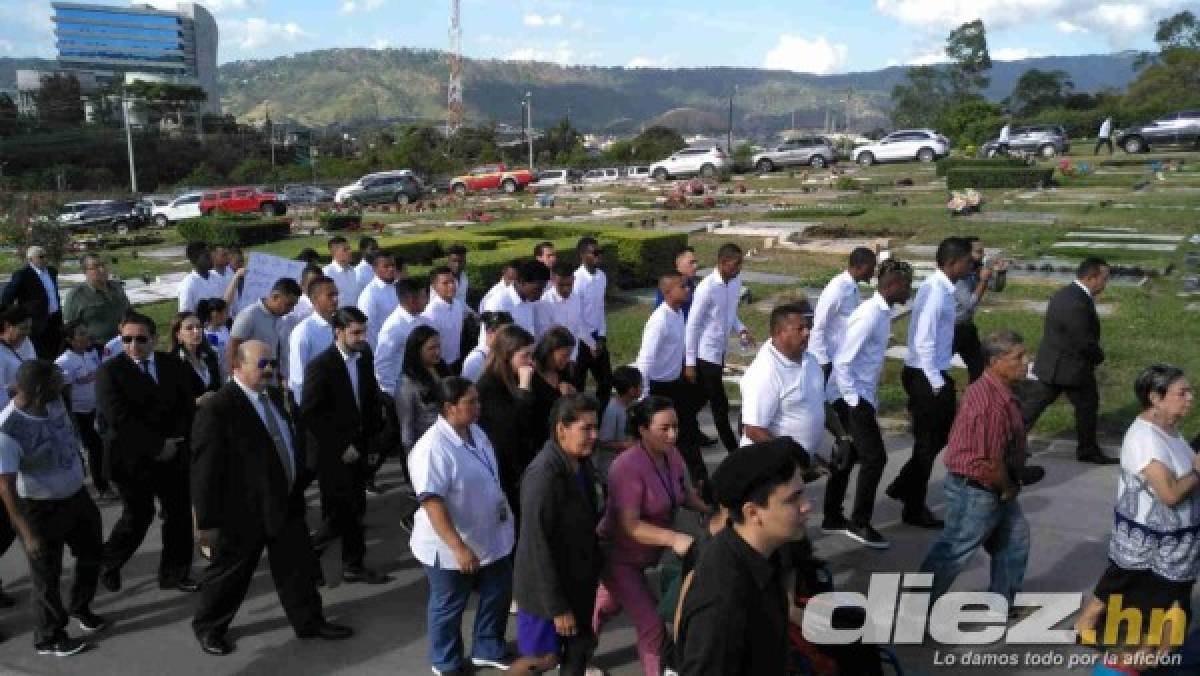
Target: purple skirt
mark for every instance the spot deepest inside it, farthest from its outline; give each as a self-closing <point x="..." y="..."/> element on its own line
<point x="536" y="635"/>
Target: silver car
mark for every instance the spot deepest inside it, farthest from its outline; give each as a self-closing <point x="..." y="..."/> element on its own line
<point x="814" y="151"/>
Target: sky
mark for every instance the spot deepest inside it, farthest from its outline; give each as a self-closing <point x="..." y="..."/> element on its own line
<point x="808" y="36"/>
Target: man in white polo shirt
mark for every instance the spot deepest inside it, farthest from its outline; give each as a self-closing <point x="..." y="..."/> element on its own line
<point x="926" y="379"/>
<point x="853" y="389"/>
<point x="342" y="271"/>
<point x="837" y="301"/>
<point x="378" y="298"/>
<point x="783" y="391"/>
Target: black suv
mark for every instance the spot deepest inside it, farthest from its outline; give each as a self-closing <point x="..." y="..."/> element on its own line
<point x="110" y="215"/>
<point x="386" y="190"/>
<point x="1179" y="130"/>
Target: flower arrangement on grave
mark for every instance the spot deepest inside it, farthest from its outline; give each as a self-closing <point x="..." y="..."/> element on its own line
<point x="964" y="202"/>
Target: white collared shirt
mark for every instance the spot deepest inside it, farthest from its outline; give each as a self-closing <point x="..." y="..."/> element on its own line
<point x="472" y="366"/>
<point x="195" y="288"/>
<point x="447" y="318"/>
<point x="467" y="479"/>
<point x="389" y="358"/>
<point x="837" y="301"/>
<point x="287" y="324"/>
<point x="310" y="337"/>
<point x="712" y="318"/>
<point x="257" y="403"/>
<point x="364" y="272"/>
<point x="140" y="364"/>
<point x="590" y="287"/>
<point x="351" y="360"/>
<point x="660" y="357"/>
<point x="554" y="310"/>
<point x="785" y="397"/>
<point x="377" y="301"/>
<point x="51" y="290"/>
<point x="1085" y="289"/>
<point x="346" y="279"/>
<point x="498" y="287"/>
<point x="858" y="362"/>
<point x="931" y="329"/>
<point x="461" y="286"/>
<point x="523" y="312"/>
<point x="79" y="371"/>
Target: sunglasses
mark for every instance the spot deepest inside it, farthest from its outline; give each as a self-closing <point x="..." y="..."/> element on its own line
<point x="264" y="363"/>
<point x="135" y="339"/>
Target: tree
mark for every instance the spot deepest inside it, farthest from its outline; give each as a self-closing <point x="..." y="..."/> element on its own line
<point x="8" y="116"/>
<point x="655" y="143"/>
<point x="967" y="48"/>
<point x="1039" y="89"/>
<point x="970" y="122"/>
<point x="922" y="100"/>
<point x="59" y="102"/>
<point x="1181" y="31"/>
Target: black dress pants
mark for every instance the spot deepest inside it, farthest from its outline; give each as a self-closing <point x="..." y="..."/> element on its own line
<point x="85" y="423"/>
<point x="1085" y="398"/>
<point x="599" y="366"/>
<point x="711" y="389"/>
<point x="967" y="345"/>
<point x="871" y="455"/>
<point x="683" y="394"/>
<point x="167" y="481"/>
<point x="236" y="554"/>
<point x="72" y="522"/>
<point x="932" y="415"/>
<point x="342" y="517"/>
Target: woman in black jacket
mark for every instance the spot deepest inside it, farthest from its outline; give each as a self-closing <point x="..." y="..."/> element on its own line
<point x="506" y="403"/>
<point x="189" y="344"/>
<point x="551" y="358"/>
<point x="558" y="554"/>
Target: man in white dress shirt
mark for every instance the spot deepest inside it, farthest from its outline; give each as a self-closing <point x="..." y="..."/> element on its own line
<point x="520" y="300"/>
<point x="926" y="379"/>
<point x="378" y="298"/>
<point x="783" y="390"/>
<point x="445" y="313"/>
<point x="291" y="320"/>
<point x="456" y="260"/>
<point x="202" y="282"/>
<point x="364" y="272"/>
<point x="508" y="275"/>
<point x="853" y="389"/>
<point x="838" y="300"/>
<point x="559" y="306"/>
<point x="342" y="272"/>
<point x="593" y="357"/>
<point x="711" y="320"/>
<point x="660" y="361"/>
<point x="411" y="296"/>
<point x="313" y="335"/>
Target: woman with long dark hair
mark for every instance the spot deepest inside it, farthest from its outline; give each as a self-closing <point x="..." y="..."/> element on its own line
<point x="506" y="397"/>
<point x="189" y="344"/>
<point x="417" y="406"/>
<point x="551" y="359"/>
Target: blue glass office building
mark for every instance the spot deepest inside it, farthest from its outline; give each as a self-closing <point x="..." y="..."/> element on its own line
<point x="111" y="41"/>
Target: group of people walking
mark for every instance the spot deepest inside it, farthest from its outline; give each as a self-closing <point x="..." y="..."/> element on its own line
<point x="544" y="500"/>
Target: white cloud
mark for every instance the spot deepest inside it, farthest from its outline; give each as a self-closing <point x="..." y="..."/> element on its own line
<point x="927" y="58"/>
<point x="256" y="32"/>
<point x="351" y="6"/>
<point x="801" y="55"/>
<point x="1012" y="53"/>
<point x="381" y="43"/>
<point x="7" y="46"/>
<point x="560" y="53"/>
<point x="649" y="62"/>
<point x="214" y="6"/>
<point x="534" y="20"/>
<point x="1068" y="27"/>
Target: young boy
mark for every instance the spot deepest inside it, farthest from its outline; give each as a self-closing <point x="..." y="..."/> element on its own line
<point x="612" y="437"/>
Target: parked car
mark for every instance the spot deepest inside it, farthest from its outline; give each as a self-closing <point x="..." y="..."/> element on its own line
<point x="602" y="175"/>
<point x="146" y="206"/>
<point x="107" y="215"/>
<point x="400" y="189"/>
<point x="924" y="145"/>
<point x="1046" y="140"/>
<point x="814" y="151"/>
<point x="69" y="213"/>
<point x="340" y="194"/>
<point x="556" y="177"/>
<point x="185" y="206"/>
<point x="491" y="177"/>
<point x="306" y="194"/>
<point x="243" y="200"/>
<point x="706" y="161"/>
<point x="1178" y="130"/>
<point x="637" y="173"/>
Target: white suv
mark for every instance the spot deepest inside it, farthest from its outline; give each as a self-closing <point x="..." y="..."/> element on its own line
<point x="924" y="145"/>
<point x="706" y="161"/>
<point x="343" y="192"/>
<point x="185" y="206"/>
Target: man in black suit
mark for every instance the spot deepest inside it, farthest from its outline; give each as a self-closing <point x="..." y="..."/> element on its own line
<point x="1068" y="357"/>
<point x="146" y="400"/>
<point x="342" y="413"/>
<point x="248" y="481"/>
<point x="35" y="288"/>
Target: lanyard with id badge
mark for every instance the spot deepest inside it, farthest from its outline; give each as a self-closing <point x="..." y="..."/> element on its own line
<point x="502" y="503"/>
<point x="666" y="483"/>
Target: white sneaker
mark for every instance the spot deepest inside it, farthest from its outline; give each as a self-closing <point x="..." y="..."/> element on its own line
<point x="492" y="664"/>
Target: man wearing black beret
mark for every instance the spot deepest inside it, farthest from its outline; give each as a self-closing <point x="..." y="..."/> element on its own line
<point x="734" y="618"/>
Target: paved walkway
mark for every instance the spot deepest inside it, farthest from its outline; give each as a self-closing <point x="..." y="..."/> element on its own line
<point x="1069" y="511"/>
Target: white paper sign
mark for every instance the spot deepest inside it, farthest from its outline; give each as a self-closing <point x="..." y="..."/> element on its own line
<point x="263" y="270"/>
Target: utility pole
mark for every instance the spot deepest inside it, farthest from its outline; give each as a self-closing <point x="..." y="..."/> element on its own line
<point x="129" y="143"/>
<point x="529" y="113"/>
<point x="849" y="97"/>
<point x="271" y="131"/>
<point x="729" y="139"/>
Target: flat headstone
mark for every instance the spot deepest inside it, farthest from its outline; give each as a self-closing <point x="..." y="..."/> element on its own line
<point x="1127" y="235"/>
<point x="1121" y="246"/>
<point x="163" y="253"/>
<point x="1014" y="217"/>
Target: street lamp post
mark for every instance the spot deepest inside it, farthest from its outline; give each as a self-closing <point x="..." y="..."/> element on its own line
<point x="129" y="143"/>
<point x="529" y="124"/>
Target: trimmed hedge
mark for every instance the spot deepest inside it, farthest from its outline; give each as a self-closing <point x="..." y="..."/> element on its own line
<point x="640" y="255"/>
<point x="332" y="221"/>
<point x="425" y="248"/>
<point x="946" y="164"/>
<point x="999" y="177"/>
<point x="234" y="231"/>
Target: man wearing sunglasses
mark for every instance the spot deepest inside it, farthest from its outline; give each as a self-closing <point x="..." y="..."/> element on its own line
<point x="146" y="401"/>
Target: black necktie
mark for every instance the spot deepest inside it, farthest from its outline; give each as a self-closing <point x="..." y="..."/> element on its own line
<point x="146" y="369"/>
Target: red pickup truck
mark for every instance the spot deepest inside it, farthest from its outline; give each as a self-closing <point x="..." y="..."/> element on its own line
<point x="491" y="177"/>
<point x="242" y="200"/>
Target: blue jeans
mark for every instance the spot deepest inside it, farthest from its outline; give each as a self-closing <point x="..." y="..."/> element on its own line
<point x="448" y="594"/>
<point x="976" y="517"/>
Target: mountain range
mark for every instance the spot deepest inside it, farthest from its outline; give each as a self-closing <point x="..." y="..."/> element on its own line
<point x="356" y="86"/>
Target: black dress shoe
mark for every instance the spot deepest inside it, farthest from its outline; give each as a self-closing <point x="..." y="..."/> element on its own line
<point x="187" y="584"/>
<point x="894" y="493"/>
<point x="6" y="600"/>
<point x="1031" y="474"/>
<point x="216" y="644"/>
<point x="111" y="579"/>
<point x="1098" y="458"/>
<point x="921" y="518"/>
<point x="707" y="441"/>
<point x="328" y="631"/>
<point x="367" y="575"/>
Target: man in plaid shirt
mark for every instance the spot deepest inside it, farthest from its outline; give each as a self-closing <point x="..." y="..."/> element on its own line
<point x="985" y="458"/>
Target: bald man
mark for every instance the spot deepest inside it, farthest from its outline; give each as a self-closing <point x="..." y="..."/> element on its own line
<point x="248" y="480"/>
